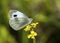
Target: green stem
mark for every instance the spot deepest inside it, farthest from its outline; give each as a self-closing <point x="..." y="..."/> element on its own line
<point x="34" y="40"/>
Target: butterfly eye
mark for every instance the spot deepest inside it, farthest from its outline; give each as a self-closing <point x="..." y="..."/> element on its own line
<point x="15" y="15"/>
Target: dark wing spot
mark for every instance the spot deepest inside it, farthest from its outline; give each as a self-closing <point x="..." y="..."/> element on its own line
<point x="15" y="15"/>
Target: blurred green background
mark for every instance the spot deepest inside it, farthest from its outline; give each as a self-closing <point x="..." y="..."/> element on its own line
<point x="46" y="12"/>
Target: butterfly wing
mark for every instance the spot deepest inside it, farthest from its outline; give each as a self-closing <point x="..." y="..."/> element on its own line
<point x="19" y="24"/>
<point x="20" y="21"/>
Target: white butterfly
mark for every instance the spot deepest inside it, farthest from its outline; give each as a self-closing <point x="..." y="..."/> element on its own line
<point x="18" y="20"/>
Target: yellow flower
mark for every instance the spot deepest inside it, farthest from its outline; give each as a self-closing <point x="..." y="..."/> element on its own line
<point x="27" y="28"/>
<point x="32" y="34"/>
<point x="30" y="28"/>
<point x="34" y="24"/>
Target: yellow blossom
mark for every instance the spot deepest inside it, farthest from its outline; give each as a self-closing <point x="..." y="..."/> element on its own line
<point x="32" y="34"/>
<point x="27" y="28"/>
<point x="34" y="24"/>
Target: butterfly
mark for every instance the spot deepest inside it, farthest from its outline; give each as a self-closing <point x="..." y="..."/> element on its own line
<point x="18" y="20"/>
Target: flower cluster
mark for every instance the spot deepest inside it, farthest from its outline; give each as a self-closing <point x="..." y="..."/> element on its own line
<point x="34" y="24"/>
<point x="27" y="28"/>
<point x="32" y="34"/>
<point x="31" y="28"/>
